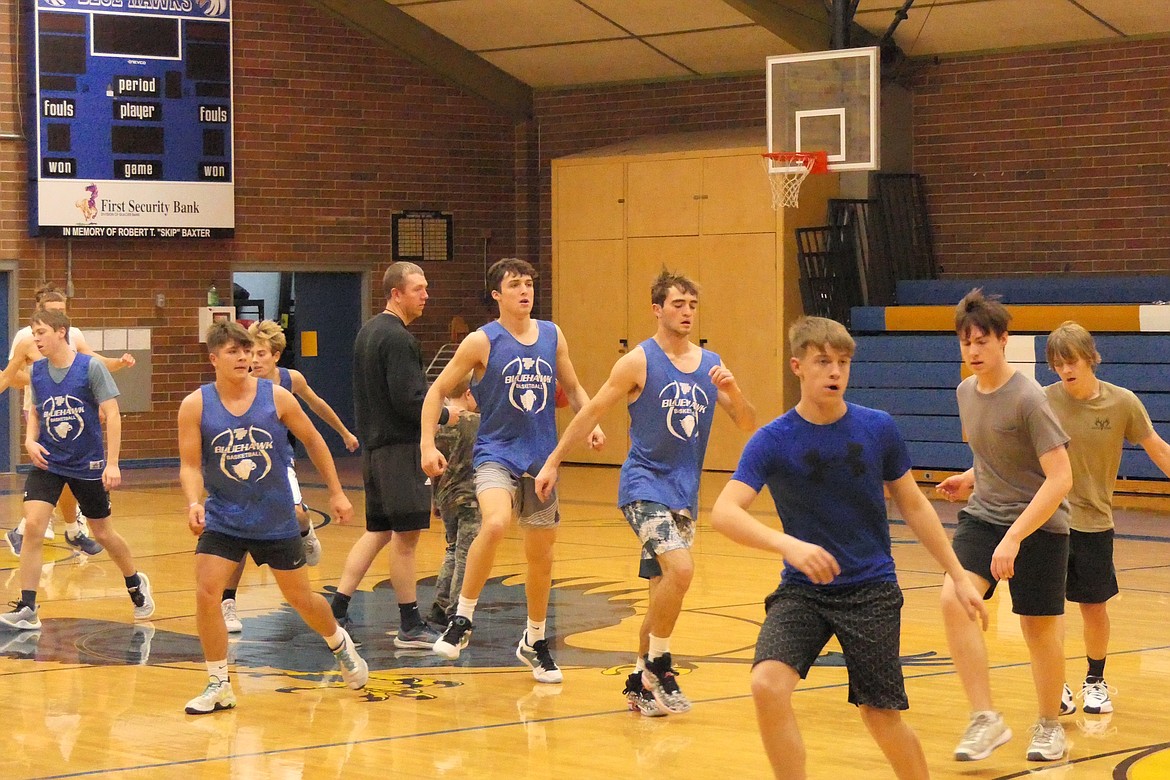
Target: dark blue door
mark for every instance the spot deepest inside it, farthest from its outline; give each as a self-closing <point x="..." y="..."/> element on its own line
<point x="10" y="397"/>
<point x="328" y="316"/>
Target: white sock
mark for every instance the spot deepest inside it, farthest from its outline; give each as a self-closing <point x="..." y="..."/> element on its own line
<point x="20" y="527"/>
<point x="336" y="641"/>
<point x="217" y="671"/>
<point x="640" y="665"/>
<point x="466" y="607"/>
<point x="535" y="631"/>
<point x="659" y="646"/>
<point x="72" y="529"/>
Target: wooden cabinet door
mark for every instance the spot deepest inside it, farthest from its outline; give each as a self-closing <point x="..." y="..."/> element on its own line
<point x="737" y="197"/>
<point x="645" y="258"/>
<point x="589" y="201"/>
<point x="738" y="319"/>
<point x="663" y="197"/>
<point x="589" y="304"/>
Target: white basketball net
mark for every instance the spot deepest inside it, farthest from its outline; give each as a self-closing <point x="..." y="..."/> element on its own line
<point x="786" y="182"/>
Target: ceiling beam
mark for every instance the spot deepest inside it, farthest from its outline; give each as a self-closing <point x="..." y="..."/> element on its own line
<point x="802" y="23"/>
<point x="447" y="59"/>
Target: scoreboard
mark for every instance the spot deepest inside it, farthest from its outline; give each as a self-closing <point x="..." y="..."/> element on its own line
<point x="133" y="120"/>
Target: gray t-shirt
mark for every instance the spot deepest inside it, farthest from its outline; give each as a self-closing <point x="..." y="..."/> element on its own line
<point x="101" y="383"/>
<point x="1008" y="430"/>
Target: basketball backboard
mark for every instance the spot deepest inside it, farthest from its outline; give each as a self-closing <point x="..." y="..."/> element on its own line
<point x="826" y="101"/>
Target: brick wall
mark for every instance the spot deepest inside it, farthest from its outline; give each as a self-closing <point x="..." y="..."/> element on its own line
<point x="1047" y="162"/>
<point x="333" y="133"/>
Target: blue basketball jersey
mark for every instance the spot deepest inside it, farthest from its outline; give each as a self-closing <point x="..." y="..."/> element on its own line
<point x="285" y="378"/>
<point x="245" y="468"/>
<point x="70" y="427"/>
<point x="516" y="397"/>
<point x="670" y="423"/>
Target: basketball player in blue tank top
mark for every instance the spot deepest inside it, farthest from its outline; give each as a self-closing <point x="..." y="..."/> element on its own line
<point x="826" y="462"/>
<point x="233" y="441"/>
<point x="669" y="384"/>
<point x="515" y="362"/>
<point x="64" y="443"/>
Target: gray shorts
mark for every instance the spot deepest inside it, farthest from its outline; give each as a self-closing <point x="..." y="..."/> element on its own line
<point x="526" y="505"/>
<point x="661" y="530"/>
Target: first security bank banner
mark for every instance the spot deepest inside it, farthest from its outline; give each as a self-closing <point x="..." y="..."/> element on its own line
<point x="133" y="121"/>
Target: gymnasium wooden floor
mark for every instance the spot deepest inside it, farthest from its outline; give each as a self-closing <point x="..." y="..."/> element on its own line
<point x="93" y="695"/>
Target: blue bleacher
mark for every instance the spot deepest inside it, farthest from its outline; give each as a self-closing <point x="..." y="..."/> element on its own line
<point x="913" y="375"/>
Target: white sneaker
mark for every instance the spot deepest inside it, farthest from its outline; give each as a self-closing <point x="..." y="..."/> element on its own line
<point x="354" y="670"/>
<point x="312" y="546"/>
<point x="1096" y="697"/>
<point x="985" y="732"/>
<point x="1067" y="704"/>
<point x="538" y="658"/>
<point x="230" y="618"/>
<point x="143" y="598"/>
<point x="50" y="534"/>
<point x="1047" y="743"/>
<point x="216" y="696"/>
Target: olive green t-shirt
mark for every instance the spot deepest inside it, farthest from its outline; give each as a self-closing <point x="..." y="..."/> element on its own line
<point x="1097" y="427"/>
<point x="1008" y="430"/>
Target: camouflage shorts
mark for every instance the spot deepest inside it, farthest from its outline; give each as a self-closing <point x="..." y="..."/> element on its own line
<point x="660" y="530"/>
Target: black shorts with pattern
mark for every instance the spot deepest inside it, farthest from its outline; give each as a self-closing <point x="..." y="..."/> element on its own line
<point x="866" y="620"/>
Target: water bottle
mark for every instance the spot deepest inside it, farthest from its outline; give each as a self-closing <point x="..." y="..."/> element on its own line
<point x="212" y="296"/>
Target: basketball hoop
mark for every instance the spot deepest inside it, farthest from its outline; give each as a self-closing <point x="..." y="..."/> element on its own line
<point x="788" y="170"/>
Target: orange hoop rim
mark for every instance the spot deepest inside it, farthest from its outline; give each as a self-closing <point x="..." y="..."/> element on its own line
<point x="813" y="162"/>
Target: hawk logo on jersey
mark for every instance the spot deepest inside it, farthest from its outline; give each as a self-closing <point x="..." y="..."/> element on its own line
<point x="244" y="453"/>
<point x="684" y="403"/>
<point x="529" y="382"/>
<point x="61" y="415"/>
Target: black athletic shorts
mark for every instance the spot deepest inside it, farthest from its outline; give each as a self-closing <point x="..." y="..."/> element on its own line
<point x="280" y="554"/>
<point x="867" y="621"/>
<point x="398" y="493"/>
<point x="1037" y="587"/>
<point x="91" y="494"/>
<point x="1091" y="576"/>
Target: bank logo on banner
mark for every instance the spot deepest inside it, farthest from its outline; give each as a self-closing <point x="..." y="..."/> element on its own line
<point x="529" y="382"/>
<point x="684" y="402"/>
<point x="62" y="417"/>
<point x="244" y="453"/>
<point x="88" y="205"/>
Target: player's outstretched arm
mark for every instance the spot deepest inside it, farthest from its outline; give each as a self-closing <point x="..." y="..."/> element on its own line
<point x="576" y="394"/>
<point x="295" y="419"/>
<point x="1158" y="450"/>
<point x="322" y="409"/>
<point x="470" y="356"/>
<point x="627" y="376"/>
<point x="731" y="518"/>
<point x="923" y="521"/>
<point x="191" y="459"/>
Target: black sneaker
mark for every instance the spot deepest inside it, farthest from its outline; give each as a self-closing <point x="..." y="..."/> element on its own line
<point x="639" y="699"/>
<point x="661" y="681"/>
<point x="454" y="639"/>
<point x="539" y="659"/>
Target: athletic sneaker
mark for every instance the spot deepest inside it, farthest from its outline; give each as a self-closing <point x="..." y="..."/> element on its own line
<point x="539" y="659"/>
<point x="139" y="650"/>
<point x="1096" y="696"/>
<point x="985" y="732"/>
<point x="22" y="617"/>
<point x="83" y="543"/>
<point x="50" y="534"/>
<point x="454" y="639"/>
<point x="639" y="699"/>
<point x="230" y="618"/>
<point x="142" y="597"/>
<point x="421" y="635"/>
<point x="1067" y="705"/>
<point x="216" y="696"/>
<point x="354" y="669"/>
<point x="15" y="541"/>
<point x="662" y="682"/>
<point x="1047" y="742"/>
<point x="312" y="547"/>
